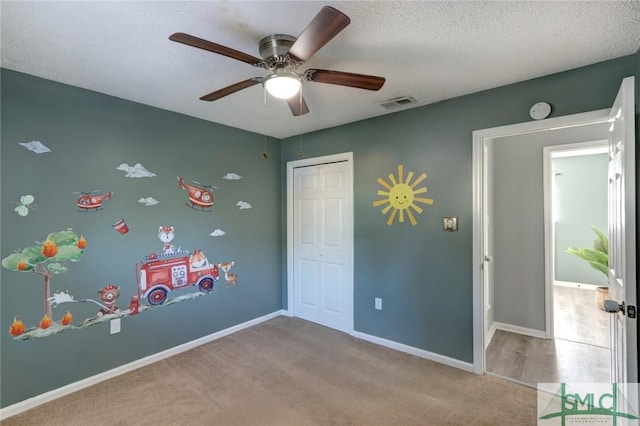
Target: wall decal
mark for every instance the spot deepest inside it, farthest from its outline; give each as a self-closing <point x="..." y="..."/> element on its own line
<point x="217" y="233"/>
<point x="24" y="205"/>
<point x="45" y="259"/>
<point x="232" y="176"/>
<point x="200" y="196"/>
<point x="243" y="205"/>
<point x="401" y="196"/>
<point x="136" y="171"/>
<point x="148" y="201"/>
<point x="108" y="296"/>
<point x="121" y="226"/>
<point x="107" y="303"/>
<point x="158" y="274"/>
<point x="166" y="234"/>
<point x="229" y="278"/>
<point x="89" y="201"/>
<point x="35" y="146"/>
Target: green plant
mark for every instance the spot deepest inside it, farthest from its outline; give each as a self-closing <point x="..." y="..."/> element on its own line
<point x="598" y="257"/>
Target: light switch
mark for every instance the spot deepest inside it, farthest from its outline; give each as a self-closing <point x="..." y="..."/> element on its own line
<point x="450" y="223"/>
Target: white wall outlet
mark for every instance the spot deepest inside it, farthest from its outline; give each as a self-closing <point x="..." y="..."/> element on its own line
<point x="115" y="326"/>
<point x="378" y="303"/>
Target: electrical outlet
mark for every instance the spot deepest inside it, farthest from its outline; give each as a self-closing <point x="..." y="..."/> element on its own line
<point x="378" y="303"/>
<point x="115" y="326"/>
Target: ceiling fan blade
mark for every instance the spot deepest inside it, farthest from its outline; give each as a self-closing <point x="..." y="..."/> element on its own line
<point x="298" y="105"/>
<point x="190" y="40"/>
<point x="322" y="28"/>
<point x="360" y="81"/>
<point x="213" y="96"/>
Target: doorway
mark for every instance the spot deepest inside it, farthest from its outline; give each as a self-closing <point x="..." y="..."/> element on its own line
<point x="520" y="304"/>
<point x="575" y="190"/>
<point x="320" y="240"/>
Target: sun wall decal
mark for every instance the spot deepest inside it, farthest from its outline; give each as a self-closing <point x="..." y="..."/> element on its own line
<point x="401" y="197"/>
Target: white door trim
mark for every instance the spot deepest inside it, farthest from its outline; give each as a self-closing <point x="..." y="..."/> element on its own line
<point x="479" y="140"/>
<point x="291" y="165"/>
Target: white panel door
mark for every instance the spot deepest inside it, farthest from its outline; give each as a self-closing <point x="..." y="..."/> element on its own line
<point x="622" y="231"/>
<point x="323" y="283"/>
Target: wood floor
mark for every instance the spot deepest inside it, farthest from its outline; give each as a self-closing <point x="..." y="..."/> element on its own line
<point x="579" y="353"/>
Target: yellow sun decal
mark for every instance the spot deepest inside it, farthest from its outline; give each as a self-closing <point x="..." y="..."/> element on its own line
<point x="401" y="196"/>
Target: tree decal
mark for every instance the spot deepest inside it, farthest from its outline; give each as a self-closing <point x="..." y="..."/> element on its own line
<point x="47" y="259"/>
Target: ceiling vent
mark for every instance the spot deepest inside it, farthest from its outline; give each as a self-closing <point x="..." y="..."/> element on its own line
<point x="398" y="102"/>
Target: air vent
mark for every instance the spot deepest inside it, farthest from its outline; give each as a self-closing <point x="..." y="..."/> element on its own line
<point x="398" y="102"/>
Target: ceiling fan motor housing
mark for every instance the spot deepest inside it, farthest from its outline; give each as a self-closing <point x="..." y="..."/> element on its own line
<point x="274" y="49"/>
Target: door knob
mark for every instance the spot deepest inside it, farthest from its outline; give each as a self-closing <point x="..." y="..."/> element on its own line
<point x="613" y="307"/>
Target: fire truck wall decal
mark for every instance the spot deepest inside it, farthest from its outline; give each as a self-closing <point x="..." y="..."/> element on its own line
<point x="46" y="259"/>
<point x="160" y="280"/>
<point x="159" y="274"/>
<point x="90" y="201"/>
<point x="400" y="195"/>
<point x="200" y="196"/>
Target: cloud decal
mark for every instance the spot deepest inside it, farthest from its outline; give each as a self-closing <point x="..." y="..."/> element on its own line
<point x="242" y="205"/>
<point x="148" y="201"/>
<point x="232" y="176"/>
<point x="35" y="146"/>
<point x="217" y="233"/>
<point x="137" y="171"/>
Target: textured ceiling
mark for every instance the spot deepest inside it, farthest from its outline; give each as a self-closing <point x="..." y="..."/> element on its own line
<point x="428" y="50"/>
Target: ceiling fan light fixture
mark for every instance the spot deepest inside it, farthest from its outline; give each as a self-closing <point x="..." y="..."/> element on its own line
<point x="282" y="85"/>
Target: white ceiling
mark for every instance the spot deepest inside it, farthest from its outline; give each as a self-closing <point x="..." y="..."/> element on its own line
<point x="430" y="50"/>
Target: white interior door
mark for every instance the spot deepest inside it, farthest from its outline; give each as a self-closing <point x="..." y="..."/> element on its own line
<point x="322" y="244"/>
<point x="487" y="265"/>
<point x="622" y="242"/>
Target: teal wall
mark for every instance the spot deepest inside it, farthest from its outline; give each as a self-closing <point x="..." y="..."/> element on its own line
<point x="424" y="274"/>
<point x="91" y="134"/>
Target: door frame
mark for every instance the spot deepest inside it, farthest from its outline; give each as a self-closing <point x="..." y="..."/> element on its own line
<point x="480" y="140"/>
<point x="314" y="161"/>
<point x="588" y="147"/>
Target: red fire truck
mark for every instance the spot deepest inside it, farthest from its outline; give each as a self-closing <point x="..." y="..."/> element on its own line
<point x="158" y="274"/>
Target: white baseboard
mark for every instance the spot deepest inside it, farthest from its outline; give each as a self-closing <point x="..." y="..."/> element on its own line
<point x="575" y="285"/>
<point x="520" y="330"/>
<point x="33" y="402"/>
<point x="489" y="336"/>
<point x="451" y="362"/>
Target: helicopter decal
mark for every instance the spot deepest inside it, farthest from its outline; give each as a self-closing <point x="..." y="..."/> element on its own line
<point x="89" y="201"/>
<point x="200" y="196"/>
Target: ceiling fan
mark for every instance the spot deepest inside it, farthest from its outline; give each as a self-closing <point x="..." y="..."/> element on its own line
<point x="282" y="55"/>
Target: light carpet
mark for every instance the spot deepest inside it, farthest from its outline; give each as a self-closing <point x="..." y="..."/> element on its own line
<point x="287" y="371"/>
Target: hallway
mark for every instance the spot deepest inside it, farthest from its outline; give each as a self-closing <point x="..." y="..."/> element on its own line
<point x="579" y="353"/>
